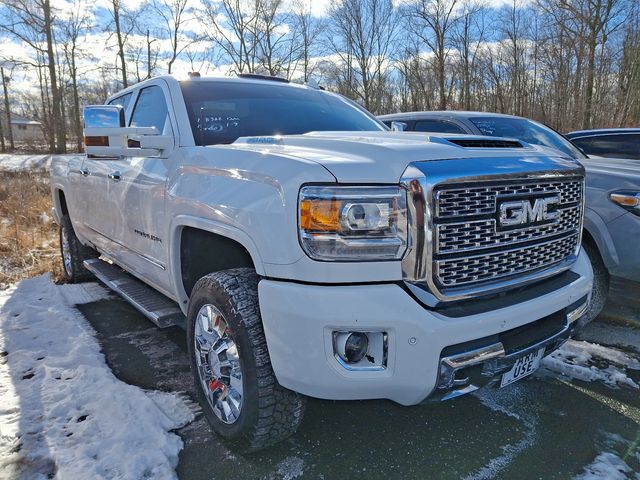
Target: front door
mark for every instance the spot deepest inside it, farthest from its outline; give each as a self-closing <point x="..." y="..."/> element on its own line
<point x="137" y="184"/>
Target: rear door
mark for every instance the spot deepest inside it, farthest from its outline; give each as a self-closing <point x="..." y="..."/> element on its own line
<point x="137" y="190"/>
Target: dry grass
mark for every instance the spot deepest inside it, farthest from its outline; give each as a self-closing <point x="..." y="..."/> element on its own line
<point x="28" y="236"/>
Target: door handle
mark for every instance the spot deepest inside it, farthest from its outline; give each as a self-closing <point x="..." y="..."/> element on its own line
<point x="115" y="176"/>
<point x="84" y="172"/>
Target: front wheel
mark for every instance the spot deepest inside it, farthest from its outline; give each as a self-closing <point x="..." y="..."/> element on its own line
<point x="600" y="290"/>
<point x="236" y="385"/>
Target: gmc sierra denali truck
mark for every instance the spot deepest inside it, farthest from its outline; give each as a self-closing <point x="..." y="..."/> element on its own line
<point x="309" y="251"/>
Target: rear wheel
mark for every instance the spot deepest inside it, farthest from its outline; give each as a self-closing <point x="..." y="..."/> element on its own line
<point x="600" y="290"/>
<point x="73" y="253"/>
<point x="236" y="385"/>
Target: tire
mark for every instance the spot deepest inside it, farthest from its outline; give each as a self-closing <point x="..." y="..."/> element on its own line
<point x="600" y="290"/>
<point x="223" y="311"/>
<point x="73" y="253"/>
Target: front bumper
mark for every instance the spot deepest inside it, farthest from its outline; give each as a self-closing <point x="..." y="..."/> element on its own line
<point x="299" y="321"/>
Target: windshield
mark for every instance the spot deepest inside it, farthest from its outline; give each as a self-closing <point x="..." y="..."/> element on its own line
<point x="527" y="131"/>
<point x="220" y="112"/>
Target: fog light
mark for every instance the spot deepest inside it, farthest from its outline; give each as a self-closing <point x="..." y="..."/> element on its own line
<point x="352" y="347"/>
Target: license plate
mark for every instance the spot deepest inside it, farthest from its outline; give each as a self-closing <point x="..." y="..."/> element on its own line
<point x="524" y="366"/>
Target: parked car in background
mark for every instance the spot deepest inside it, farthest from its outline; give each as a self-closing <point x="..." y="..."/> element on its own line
<point x="612" y="213"/>
<point x="608" y="142"/>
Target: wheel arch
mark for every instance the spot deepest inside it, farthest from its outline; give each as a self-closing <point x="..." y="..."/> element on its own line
<point x="197" y="245"/>
<point x="596" y="233"/>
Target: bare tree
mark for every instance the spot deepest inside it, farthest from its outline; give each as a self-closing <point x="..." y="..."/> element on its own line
<point x="176" y="16"/>
<point x="73" y="28"/>
<point x="362" y="35"/>
<point x="31" y="21"/>
<point x="433" y="21"/>
<point x="7" y="108"/>
<point x="308" y="29"/>
<point x="234" y="26"/>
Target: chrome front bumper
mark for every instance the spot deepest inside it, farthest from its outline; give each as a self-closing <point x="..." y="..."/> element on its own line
<point x="469" y="369"/>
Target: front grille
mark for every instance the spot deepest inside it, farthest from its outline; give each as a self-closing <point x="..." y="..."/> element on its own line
<point x="481" y="234"/>
<point x="479" y="200"/>
<point x="470" y="249"/>
<point x="466" y="270"/>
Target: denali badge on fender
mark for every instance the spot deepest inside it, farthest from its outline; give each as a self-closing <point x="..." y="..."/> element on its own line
<point x="515" y="213"/>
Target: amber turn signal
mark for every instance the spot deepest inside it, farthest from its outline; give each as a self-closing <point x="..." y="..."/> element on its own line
<point x="320" y="215"/>
<point x="96" y="141"/>
<point x="625" y="200"/>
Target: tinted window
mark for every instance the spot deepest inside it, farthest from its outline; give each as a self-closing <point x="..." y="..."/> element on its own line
<point x="150" y="109"/>
<point x="437" y="126"/>
<point x="527" y="131"/>
<point x="221" y="112"/>
<point x="123" y="101"/>
<point x="616" y="146"/>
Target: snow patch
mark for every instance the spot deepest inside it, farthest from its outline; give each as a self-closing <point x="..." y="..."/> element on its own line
<point x="79" y="293"/>
<point x="606" y="466"/>
<point x="592" y="362"/>
<point x="290" y="468"/>
<point x="63" y="413"/>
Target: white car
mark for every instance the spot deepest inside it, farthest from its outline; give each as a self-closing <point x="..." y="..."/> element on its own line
<point x="309" y="251"/>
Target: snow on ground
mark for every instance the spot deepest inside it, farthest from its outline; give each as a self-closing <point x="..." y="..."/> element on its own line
<point x="592" y="362"/>
<point x="20" y="163"/>
<point x="63" y="413"/>
<point x="606" y="466"/>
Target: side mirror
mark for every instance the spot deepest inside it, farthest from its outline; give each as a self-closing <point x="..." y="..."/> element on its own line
<point x="398" y="126"/>
<point x="110" y="116"/>
<point x="107" y="137"/>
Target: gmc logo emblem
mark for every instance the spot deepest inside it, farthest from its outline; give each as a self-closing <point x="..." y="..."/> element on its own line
<point x="516" y="213"/>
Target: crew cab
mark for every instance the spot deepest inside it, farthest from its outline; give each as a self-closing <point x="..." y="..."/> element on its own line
<point x="309" y="251"/>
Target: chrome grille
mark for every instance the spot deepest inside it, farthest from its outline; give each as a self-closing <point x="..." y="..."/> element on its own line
<point x="480" y="200"/>
<point x="480" y="234"/>
<point x="470" y="249"/>
<point x="467" y="270"/>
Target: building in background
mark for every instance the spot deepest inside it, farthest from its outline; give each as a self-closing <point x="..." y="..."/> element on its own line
<point x="24" y="130"/>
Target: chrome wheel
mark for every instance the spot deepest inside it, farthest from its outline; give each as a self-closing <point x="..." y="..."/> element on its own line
<point x="66" y="251"/>
<point x="218" y="364"/>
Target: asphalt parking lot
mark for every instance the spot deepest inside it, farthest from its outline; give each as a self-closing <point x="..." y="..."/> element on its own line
<point x="546" y="427"/>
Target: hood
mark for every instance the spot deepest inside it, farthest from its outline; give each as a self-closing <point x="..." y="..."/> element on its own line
<point x="607" y="174"/>
<point x="382" y="157"/>
<point x="614" y="166"/>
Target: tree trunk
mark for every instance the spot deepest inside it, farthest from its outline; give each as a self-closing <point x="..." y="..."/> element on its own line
<point x="56" y="100"/>
<point x="588" y="100"/>
<point x="116" y="21"/>
<point x="7" y="111"/>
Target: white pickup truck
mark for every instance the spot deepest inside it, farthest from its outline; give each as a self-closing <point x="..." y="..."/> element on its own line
<point x="309" y="251"/>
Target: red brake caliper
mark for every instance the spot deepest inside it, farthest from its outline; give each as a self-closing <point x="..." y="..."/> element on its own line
<point x="215" y="384"/>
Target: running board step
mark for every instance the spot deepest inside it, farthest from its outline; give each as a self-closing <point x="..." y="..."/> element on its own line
<point x="158" y="308"/>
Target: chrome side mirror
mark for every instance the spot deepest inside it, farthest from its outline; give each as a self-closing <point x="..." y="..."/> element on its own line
<point x="398" y="126"/>
<point x="103" y="116"/>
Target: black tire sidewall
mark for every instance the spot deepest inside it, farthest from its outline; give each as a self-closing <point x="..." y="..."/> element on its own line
<point x="205" y="292"/>
<point x="65" y="224"/>
<point x="600" y="288"/>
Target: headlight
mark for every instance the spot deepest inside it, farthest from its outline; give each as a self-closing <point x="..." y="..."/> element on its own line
<point x="353" y="223"/>
<point x="627" y="200"/>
